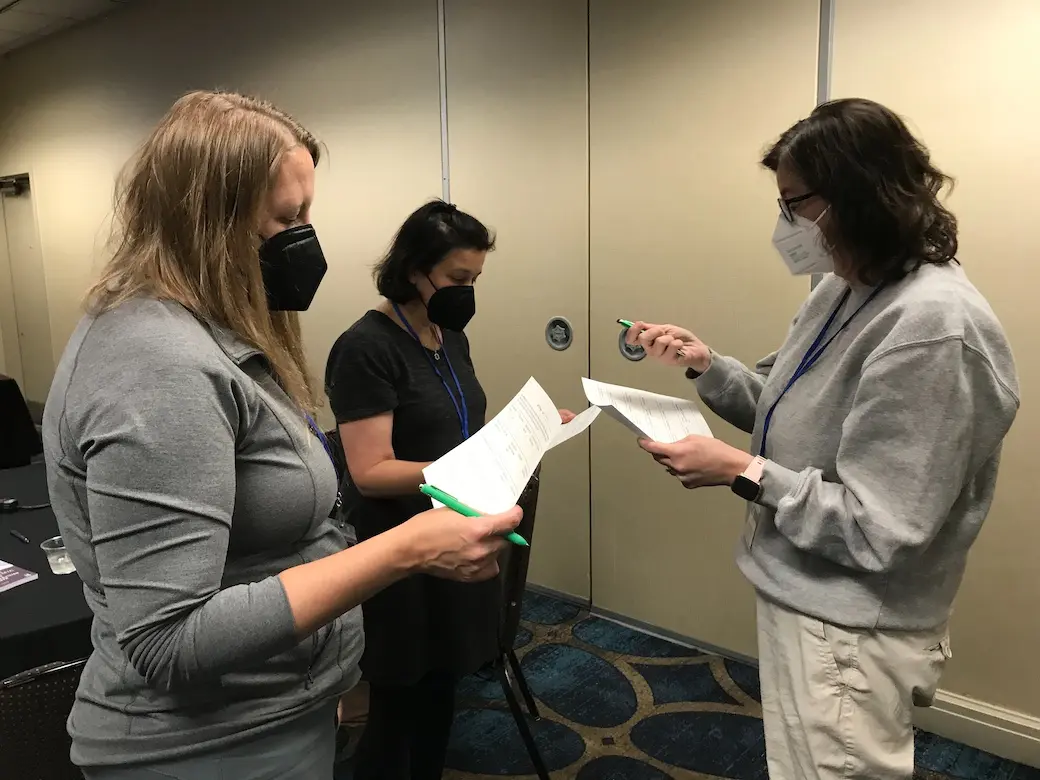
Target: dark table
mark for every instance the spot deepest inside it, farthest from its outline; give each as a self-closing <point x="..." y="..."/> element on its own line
<point x="48" y="619"/>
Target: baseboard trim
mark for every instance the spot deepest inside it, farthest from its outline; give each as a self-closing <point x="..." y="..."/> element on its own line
<point x="559" y="595"/>
<point x="671" y="636"/>
<point x="978" y="724"/>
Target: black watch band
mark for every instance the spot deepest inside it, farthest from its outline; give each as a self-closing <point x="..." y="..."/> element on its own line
<point x="749" y="484"/>
<point x="691" y="373"/>
<point x="746" y="489"/>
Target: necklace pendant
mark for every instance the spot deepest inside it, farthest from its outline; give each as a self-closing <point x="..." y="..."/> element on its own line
<point x="437" y="355"/>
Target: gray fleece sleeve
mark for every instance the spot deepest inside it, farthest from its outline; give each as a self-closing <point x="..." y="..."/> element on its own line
<point x="160" y="454"/>
<point x="731" y="389"/>
<point x="907" y="450"/>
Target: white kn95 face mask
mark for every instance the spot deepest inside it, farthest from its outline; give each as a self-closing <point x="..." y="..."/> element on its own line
<point x="801" y="245"/>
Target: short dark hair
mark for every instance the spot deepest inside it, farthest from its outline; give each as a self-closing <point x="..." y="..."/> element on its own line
<point x="881" y="185"/>
<point x="430" y="233"/>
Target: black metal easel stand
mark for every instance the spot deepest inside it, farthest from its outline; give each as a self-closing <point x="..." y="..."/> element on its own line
<point x="507" y="667"/>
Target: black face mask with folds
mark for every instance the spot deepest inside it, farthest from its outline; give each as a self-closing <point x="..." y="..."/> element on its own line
<point x="452" y="307"/>
<point x="293" y="266"/>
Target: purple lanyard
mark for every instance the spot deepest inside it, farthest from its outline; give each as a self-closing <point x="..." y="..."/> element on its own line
<point x="811" y="356"/>
<point x="459" y="403"/>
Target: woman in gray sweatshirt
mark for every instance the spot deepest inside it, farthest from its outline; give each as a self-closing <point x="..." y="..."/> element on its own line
<point x="876" y="437"/>
<point x="191" y="486"/>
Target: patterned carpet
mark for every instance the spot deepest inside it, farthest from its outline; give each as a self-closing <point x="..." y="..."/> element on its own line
<point x="617" y="704"/>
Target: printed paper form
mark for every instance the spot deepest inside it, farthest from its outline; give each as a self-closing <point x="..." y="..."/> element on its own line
<point x="658" y="417"/>
<point x="490" y="470"/>
<point x="579" y="424"/>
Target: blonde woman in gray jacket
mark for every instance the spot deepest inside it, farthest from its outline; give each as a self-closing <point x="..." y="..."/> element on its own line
<point x="190" y="483"/>
<point x="876" y="436"/>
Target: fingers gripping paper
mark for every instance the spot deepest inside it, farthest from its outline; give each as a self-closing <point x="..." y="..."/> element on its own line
<point x="489" y="471"/>
<point x="575" y="426"/>
<point x="658" y="417"/>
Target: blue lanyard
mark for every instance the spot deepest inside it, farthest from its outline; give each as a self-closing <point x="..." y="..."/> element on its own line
<point x="459" y="403"/>
<point x="328" y="449"/>
<point x="321" y="437"/>
<point x="812" y="355"/>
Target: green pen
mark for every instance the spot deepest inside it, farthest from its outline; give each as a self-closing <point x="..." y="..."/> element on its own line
<point x="624" y="323"/>
<point x="457" y="506"/>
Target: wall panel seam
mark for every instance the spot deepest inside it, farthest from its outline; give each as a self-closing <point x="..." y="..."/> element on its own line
<point x="442" y="78"/>
<point x="824" y="56"/>
<point x="588" y="253"/>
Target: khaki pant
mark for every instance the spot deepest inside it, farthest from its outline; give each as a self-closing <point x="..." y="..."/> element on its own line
<point x="838" y="702"/>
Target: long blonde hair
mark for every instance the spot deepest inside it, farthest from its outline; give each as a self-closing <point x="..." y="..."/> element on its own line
<point x="187" y="217"/>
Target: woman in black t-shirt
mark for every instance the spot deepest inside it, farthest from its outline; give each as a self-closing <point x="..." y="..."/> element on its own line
<point x="402" y="386"/>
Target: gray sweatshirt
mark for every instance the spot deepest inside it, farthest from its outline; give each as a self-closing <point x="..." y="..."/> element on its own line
<point x="184" y="481"/>
<point x="882" y="458"/>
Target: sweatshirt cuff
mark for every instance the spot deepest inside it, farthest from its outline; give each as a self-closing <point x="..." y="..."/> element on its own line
<point x="778" y="483"/>
<point x="714" y="381"/>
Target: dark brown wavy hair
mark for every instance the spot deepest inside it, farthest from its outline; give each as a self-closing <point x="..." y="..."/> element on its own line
<point x="883" y="190"/>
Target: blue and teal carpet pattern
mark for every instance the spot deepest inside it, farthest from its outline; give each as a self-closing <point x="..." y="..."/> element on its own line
<point x="617" y="704"/>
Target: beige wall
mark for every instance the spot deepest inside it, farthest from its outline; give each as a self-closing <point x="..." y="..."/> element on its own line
<point x="681" y="216"/>
<point x="516" y="86"/>
<point x="31" y="339"/>
<point x="7" y="322"/>
<point x="676" y="125"/>
<point x="967" y="75"/>
<point x="363" y="76"/>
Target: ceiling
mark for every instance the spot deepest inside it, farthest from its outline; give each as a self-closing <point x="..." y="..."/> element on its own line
<point x="24" y="21"/>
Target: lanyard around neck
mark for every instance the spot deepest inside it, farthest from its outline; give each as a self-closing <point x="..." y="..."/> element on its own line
<point x="332" y="457"/>
<point x="459" y="403"/>
<point x="818" y="347"/>
<point x="321" y="437"/>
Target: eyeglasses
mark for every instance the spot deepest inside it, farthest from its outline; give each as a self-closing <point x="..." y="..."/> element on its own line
<point x="787" y="203"/>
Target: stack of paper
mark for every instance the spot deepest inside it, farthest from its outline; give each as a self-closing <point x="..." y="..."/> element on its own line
<point x="650" y="415"/>
<point x="490" y="470"/>
<point x="575" y="426"/>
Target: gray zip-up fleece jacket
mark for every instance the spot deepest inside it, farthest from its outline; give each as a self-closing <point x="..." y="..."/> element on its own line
<point x="882" y="458"/>
<point x="184" y="481"/>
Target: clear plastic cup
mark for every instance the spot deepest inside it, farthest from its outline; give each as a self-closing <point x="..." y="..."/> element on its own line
<point x="57" y="556"/>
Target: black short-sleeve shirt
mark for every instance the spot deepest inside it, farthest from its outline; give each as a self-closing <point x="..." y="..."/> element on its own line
<point x="422" y="623"/>
<point x="376" y="366"/>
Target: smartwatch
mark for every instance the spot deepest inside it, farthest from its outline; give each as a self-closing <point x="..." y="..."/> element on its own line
<point x="749" y="484"/>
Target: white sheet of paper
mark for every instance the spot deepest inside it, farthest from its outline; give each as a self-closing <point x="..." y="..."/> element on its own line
<point x="578" y="425"/>
<point x="490" y="470"/>
<point x="651" y="415"/>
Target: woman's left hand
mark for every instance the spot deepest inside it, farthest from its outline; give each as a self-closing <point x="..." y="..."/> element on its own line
<point x="699" y="461"/>
<point x="566" y="415"/>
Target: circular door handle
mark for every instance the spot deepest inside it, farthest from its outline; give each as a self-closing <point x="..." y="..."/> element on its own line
<point x="632" y="352"/>
<point x="559" y="333"/>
